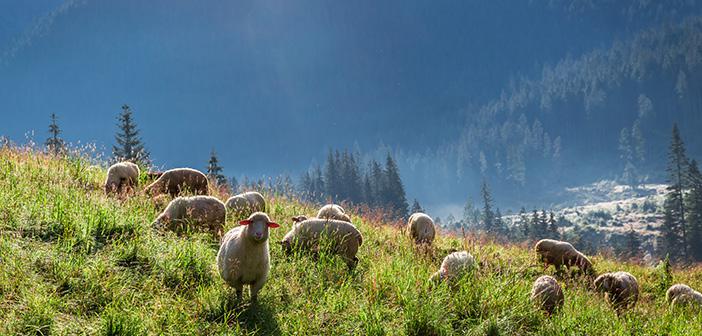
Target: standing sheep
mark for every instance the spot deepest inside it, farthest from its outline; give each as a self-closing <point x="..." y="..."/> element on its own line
<point x="333" y="211"/>
<point x="244" y="257"/>
<point x="343" y="236"/>
<point x="243" y="205"/>
<point x="175" y="181"/>
<point x="558" y="253"/>
<point x="421" y="228"/>
<point x="547" y="294"/>
<point x="683" y="294"/>
<point x="621" y="289"/>
<point x="201" y="211"/>
<point x="454" y="266"/>
<point x="121" y="175"/>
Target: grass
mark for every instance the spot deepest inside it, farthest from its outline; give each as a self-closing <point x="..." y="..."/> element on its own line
<point x="73" y="261"/>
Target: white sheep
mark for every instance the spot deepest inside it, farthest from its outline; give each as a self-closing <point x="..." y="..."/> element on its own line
<point x="121" y="175"/>
<point x="175" y="181"/>
<point x="244" y="204"/>
<point x="621" y="289"/>
<point x="421" y="228"/>
<point x="454" y="266"/>
<point x="333" y="211"/>
<point x="199" y="211"/>
<point x="683" y="294"/>
<point x="558" y="253"/>
<point x="547" y="293"/>
<point x="344" y="238"/>
<point x="244" y="257"/>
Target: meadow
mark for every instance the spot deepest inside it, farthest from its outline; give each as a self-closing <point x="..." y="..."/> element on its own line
<point x="76" y="262"/>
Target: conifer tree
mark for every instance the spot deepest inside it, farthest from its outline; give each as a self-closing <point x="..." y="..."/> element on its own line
<point x="552" y="226"/>
<point x="54" y="144"/>
<point x="129" y="146"/>
<point x="378" y="182"/>
<point x="633" y="243"/>
<point x="673" y="238"/>
<point x="694" y="206"/>
<point x="233" y="185"/>
<point x="488" y="214"/>
<point x="524" y="222"/>
<point x="331" y="175"/>
<point x="395" y="191"/>
<point x="214" y="170"/>
<point x="416" y="207"/>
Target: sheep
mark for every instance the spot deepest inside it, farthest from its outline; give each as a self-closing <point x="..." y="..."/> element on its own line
<point x="547" y="293"/>
<point x="558" y="253"/>
<point x="683" y="294"/>
<point x="333" y="211"/>
<point x="177" y="180"/>
<point x="246" y="203"/>
<point x="121" y="175"/>
<point x="201" y="211"/>
<point x="454" y="266"/>
<point x="343" y="236"/>
<point x="244" y="257"/>
<point x="621" y="289"/>
<point x="421" y="228"/>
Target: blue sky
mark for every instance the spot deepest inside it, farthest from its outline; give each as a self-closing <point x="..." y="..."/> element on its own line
<point x="269" y="84"/>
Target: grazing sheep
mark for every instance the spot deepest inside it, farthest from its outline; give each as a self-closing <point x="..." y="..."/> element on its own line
<point x="121" y="175"/>
<point x="175" y="181"/>
<point x="558" y="253"/>
<point x="621" y="289"/>
<point x="200" y="211"/>
<point x="547" y="293"/>
<point x="343" y="236"/>
<point x="244" y="257"/>
<point x="333" y="211"/>
<point x="683" y="294"/>
<point x="421" y="228"/>
<point x="243" y="205"/>
<point x="454" y="266"/>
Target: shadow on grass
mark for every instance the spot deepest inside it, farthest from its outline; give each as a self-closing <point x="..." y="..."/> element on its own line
<point x="259" y="318"/>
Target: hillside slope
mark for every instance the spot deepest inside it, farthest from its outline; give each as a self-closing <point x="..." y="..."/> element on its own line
<point x="76" y="262"/>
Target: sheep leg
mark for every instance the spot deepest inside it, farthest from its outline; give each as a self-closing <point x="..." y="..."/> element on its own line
<point x="255" y="287"/>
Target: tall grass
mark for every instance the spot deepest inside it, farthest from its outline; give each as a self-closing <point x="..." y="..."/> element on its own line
<point x="73" y="261"/>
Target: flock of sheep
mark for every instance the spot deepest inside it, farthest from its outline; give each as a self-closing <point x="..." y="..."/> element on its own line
<point x="244" y="257"/>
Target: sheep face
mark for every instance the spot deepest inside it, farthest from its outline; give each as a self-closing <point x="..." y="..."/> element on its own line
<point x="603" y="283"/>
<point x="257" y="226"/>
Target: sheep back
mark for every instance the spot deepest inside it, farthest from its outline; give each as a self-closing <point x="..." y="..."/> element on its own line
<point x="559" y="253"/>
<point x="333" y="211"/>
<point x="454" y="266"/>
<point x="344" y="237"/>
<point x="244" y="204"/>
<point x="621" y="289"/>
<point x="547" y="293"/>
<point x="681" y="294"/>
<point x="175" y="181"/>
<point x="200" y="211"/>
<point x="422" y="228"/>
<point x="120" y="175"/>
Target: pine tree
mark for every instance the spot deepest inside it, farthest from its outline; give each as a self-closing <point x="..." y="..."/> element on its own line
<point x="552" y="226"/>
<point x="500" y="226"/>
<point x="488" y="215"/>
<point x="368" y="197"/>
<point x="673" y="238"/>
<point x="54" y="144"/>
<point x="395" y="192"/>
<point x="694" y="206"/>
<point x="233" y="185"/>
<point x="378" y="181"/>
<point x="129" y="146"/>
<point x="633" y="243"/>
<point x="416" y="207"/>
<point x="524" y="222"/>
<point x="331" y="175"/>
<point x="214" y="170"/>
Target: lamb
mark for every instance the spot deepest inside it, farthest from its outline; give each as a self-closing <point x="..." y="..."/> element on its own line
<point x="175" y="181"/>
<point x="200" y="211"/>
<point x="344" y="238"/>
<point x="454" y="266"/>
<point x="244" y="257"/>
<point x="683" y="294"/>
<point x="333" y="211"/>
<point x="547" y="293"/>
<point x="121" y="175"/>
<point x="246" y="203"/>
<point x="421" y="228"/>
<point x="621" y="289"/>
<point x="558" y="253"/>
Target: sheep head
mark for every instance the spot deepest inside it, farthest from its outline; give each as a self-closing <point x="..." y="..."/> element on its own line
<point x="604" y="283"/>
<point x="257" y="226"/>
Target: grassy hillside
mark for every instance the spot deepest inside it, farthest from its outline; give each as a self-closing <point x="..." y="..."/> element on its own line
<point x="73" y="261"/>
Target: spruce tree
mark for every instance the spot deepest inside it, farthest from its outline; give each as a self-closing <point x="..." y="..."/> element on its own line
<point x="378" y="182"/>
<point x="488" y="214"/>
<point x="694" y="207"/>
<point x="673" y="238"/>
<point x="367" y="189"/>
<point x="214" y="170"/>
<point x="524" y="222"/>
<point x="331" y="175"/>
<point x="633" y="243"/>
<point x="233" y="185"/>
<point x="416" y="207"/>
<point x="54" y="144"/>
<point x="129" y="146"/>
<point x="395" y="190"/>
<point x="552" y="226"/>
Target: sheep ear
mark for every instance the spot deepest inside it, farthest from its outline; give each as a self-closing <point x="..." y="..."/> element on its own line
<point x="245" y="222"/>
<point x="273" y="225"/>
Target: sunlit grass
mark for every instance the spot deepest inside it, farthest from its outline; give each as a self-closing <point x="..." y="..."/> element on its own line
<point x="73" y="261"/>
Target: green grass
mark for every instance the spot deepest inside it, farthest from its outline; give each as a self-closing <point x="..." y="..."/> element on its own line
<point x="73" y="261"/>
